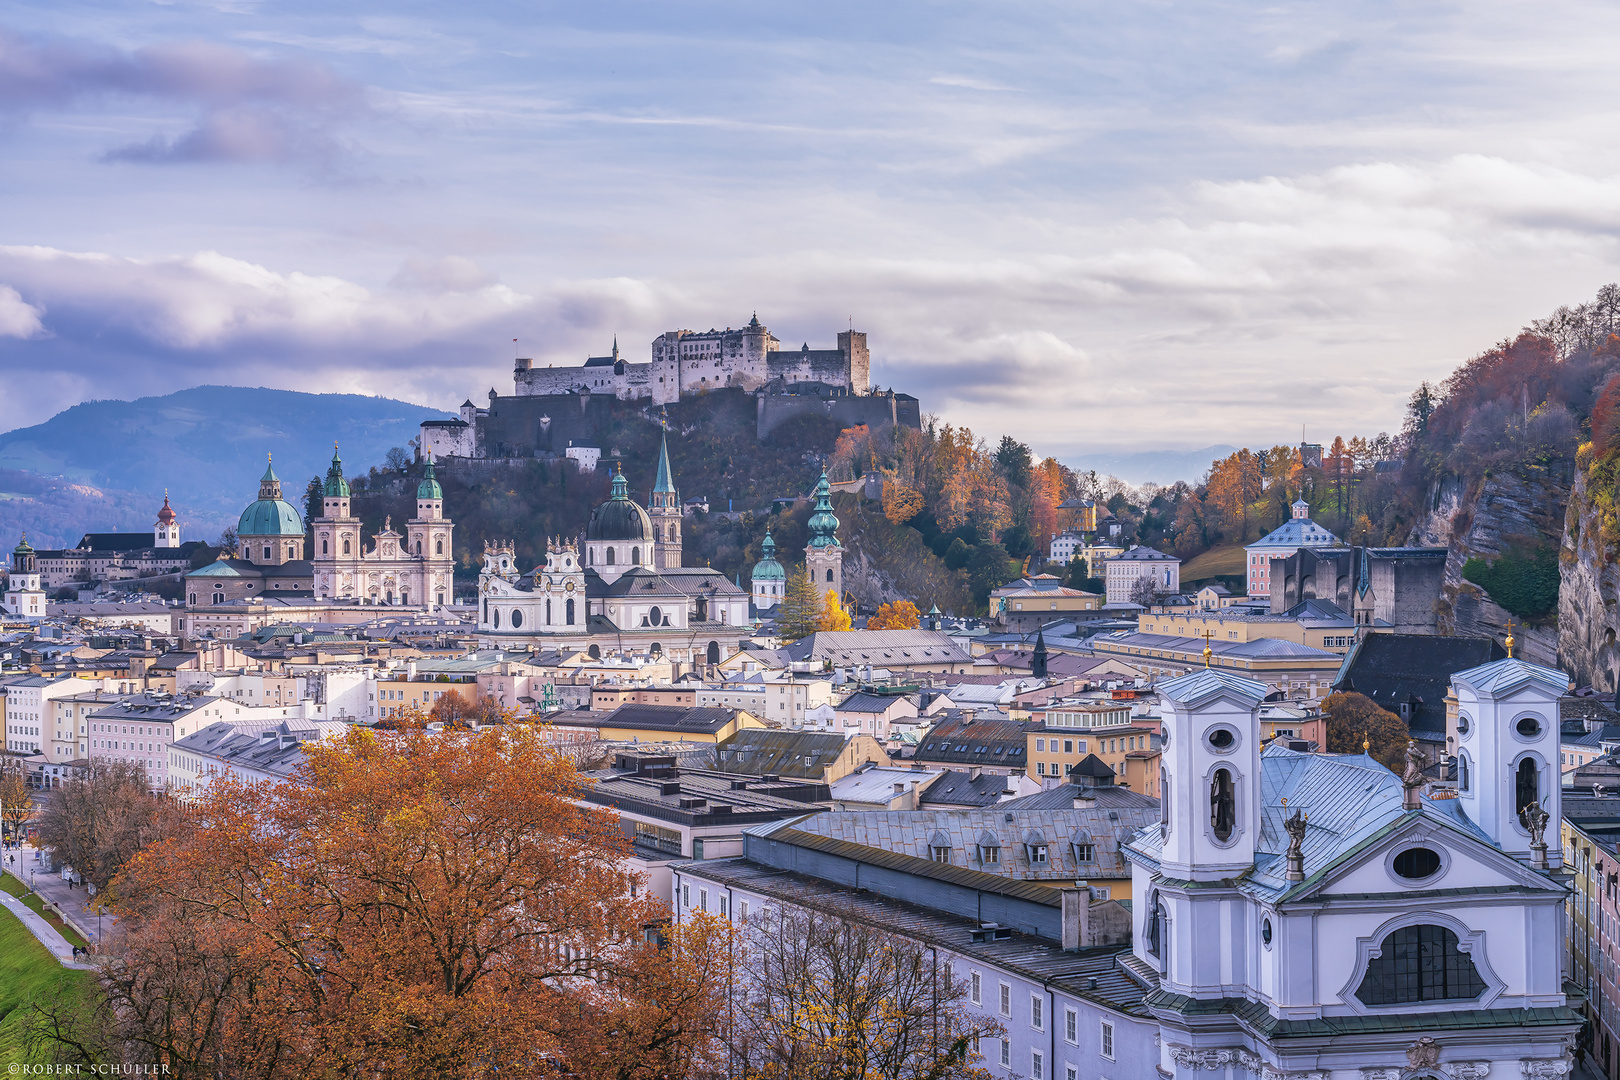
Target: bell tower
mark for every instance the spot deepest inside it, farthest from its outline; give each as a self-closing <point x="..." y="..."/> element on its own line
<point x="24" y="595"/>
<point x="427" y="542"/>
<point x="1507" y="752"/>
<point x="664" y="508"/>
<point x="824" y="555"/>
<point x="166" y="531"/>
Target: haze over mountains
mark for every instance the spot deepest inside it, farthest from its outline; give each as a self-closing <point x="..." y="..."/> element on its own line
<point x="104" y="465"/>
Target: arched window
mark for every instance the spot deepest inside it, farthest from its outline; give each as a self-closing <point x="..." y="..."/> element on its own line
<point x="829" y="573"/>
<point x="419" y="547"/>
<point x="486" y="611"/>
<point x="323" y="547"/>
<point x="714" y="652"/>
<point x="594" y="652"/>
<point x="193" y="599"/>
<point x="345" y="545"/>
<point x="1526" y="786"/>
<point x="497" y="618"/>
<point x="438" y="547"/>
<point x="570" y="613"/>
<point x="590" y="556"/>
<point x="1420" y="963"/>
<point x="1462" y="772"/>
<point x="635" y="556"/>
<point x="1155" y="927"/>
<point x="610" y="556"/>
<point x="548" y="611"/>
<point x="1222" y="805"/>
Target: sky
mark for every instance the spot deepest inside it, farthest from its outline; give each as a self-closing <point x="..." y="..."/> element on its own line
<point x="1096" y="226"/>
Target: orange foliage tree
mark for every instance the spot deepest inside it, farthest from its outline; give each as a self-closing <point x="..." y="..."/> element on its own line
<point x="409" y="904"/>
<point x="898" y="615"/>
<point x="833" y="615"/>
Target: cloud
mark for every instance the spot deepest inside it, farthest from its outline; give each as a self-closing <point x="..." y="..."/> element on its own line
<point x="18" y="318"/>
<point x="251" y="109"/>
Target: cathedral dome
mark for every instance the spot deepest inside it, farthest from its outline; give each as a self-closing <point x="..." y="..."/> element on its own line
<point x="429" y="487"/>
<point x="271" y="515"/>
<point x="621" y="517"/>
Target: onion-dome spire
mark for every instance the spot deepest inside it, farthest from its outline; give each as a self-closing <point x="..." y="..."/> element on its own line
<point x="823" y="524"/>
<point x="269" y="483"/>
<point x="429" y="487"/>
<point x="620" y="486"/>
<point x="166" y="515"/>
<point x="336" y="487"/>
<point x="22" y="547"/>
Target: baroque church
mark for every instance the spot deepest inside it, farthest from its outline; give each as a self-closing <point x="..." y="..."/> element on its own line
<point x="413" y="569"/>
<point x="1317" y="917"/>
<point x="625" y="589"/>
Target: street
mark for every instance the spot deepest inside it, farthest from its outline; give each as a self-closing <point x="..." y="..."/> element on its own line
<point x="29" y="866"/>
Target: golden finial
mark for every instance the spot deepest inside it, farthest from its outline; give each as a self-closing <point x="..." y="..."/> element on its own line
<point x="1509" y="641"/>
<point x="1208" y="652"/>
<point x="1366" y="743"/>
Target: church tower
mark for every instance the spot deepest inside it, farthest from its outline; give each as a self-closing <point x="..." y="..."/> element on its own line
<point x="824" y="555"/>
<point x="1507" y="751"/>
<point x="427" y="540"/>
<point x="24" y="596"/>
<point x="769" y="578"/>
<point x="166" y="532"/>
<point x="665" y="510"/>
<point x="336" y="555"/>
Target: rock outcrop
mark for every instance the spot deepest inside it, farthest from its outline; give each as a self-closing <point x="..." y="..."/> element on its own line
<point x="1589" y="582"/>
<point x="1522" y="507"/>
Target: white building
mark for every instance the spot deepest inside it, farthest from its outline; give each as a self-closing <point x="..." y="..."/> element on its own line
<point x="141" y="729"/>
<point x="769" y="579"/>
<point x="1308" y="915"/>
<point x="1297" y="532"/>
<point x="1064" y="545"/>
<point x="1123" y="571"/>
<point x="24" y="596"/>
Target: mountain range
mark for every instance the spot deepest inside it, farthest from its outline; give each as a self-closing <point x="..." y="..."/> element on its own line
<point x="104" y="466"/>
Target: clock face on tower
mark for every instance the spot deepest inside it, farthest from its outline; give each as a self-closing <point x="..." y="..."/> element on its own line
<point x="570" y="586"/>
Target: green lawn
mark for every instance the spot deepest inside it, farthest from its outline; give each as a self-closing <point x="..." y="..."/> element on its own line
<point x="18" y="889"/>
<point x="1216" y="562"/>
<point x="27" y="972"/>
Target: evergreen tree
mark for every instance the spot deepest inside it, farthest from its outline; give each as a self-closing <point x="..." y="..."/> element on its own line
<point x="800" y="613"/>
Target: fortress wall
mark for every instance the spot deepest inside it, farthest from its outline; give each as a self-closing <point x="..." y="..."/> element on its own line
<point x="846" y="411"/>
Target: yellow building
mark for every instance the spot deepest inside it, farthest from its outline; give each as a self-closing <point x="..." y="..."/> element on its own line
<point x="1331" y="635"/>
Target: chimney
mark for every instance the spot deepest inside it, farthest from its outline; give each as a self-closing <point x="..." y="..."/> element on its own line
<point x="973" y="772"/>
<point x="1076" y="916"/>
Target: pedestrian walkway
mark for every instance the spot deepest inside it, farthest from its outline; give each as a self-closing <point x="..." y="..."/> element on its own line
<point x="75" y="902"/>
<point x="45" y="932"/>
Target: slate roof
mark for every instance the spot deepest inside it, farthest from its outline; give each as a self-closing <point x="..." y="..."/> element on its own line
<point x="996" y="743"/>
<point x="1062" y="797"/>
<point x="1142" y="554"/>
<point x="1412" y="668"/>
<point x="1193" y="647"/>
<point x="1296" y="533"/>
<point x="1500" y="677"/>
<point x="963" y="789"/>
<point x="876" y="785"/>
<point x="1011" y="832"/>
<point x="862" y="702"/>
<point x="757" y="751"/>
<point x="698" y="797"/>
<point x="672" y="718"/>
<point x="1201" y="685"/>
<point x="887" y="648"/>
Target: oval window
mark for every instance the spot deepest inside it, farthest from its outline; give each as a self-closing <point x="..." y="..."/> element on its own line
<point x="1462" y="725"/>
<point x="655" y="616"/>
<point x="1222" y="739"/>
<point x="517" y="618"/>
<point x="1417" y="863"/>
<point x="1265" y="931"/>
<point x="1529" y="727"/>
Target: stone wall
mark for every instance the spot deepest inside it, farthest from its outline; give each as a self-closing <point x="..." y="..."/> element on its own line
<point x="875" y="410"/>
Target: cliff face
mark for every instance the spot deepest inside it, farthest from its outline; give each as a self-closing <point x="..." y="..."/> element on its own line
<point x="1589" y="582"/>
<point x="1511" y="508"/>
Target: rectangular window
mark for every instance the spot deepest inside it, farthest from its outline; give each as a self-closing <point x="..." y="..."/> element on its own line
<point x="723" y="907"/>
<point x="1006" y="1054"/>
<point x="977" y="982"/>
<point x="1071" y="1073"/>
<point x="1071" y="1026"/>
<point x="742" y="909"/>
<point x="1040" y="744"/>
<point x="1037" y="1067"/>
<point x="1108" y="1040"/>
<point x="703" y="899"/>
<point x="1068" y="746"/>
<point x="1006" y="1000"/>
<point x="686" y="896"/>
<point x="1040" y="768"/>
<point x="1037" y="1017"/>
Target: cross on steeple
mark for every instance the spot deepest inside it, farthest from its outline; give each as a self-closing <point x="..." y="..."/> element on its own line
<point x="1208" y="652"/>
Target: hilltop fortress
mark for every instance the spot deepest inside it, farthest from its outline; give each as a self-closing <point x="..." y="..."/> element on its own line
<point x="555" y="410"/>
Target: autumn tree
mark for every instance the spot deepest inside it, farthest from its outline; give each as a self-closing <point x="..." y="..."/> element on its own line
<point x="101" y="816"/>
<point x="896" y="615"/>
<point x="826" y="994"/>
<point x="408" y="904"/>
<point x="453" y="708"/>
<point x="1355" y="718"/>
<point x="833" y="615"/>
<point x="799" y="614"/>
<point x="901" y="501"/>
<point x="16" y="794"/>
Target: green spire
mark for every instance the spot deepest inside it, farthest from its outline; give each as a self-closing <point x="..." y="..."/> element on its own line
<point x="22" y="547"/>
<point x="621" y="486"/>
<point x="768" y="548"/>
<point x="823" y="525"/>
<point x="665" y="485"/>
<point x="429" y="487"/>
<point x="336" y="487"/>
<point x="269" y="483"/>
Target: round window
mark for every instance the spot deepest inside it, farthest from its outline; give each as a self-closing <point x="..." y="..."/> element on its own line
<point x="1265" y="931"/>
<point x="1417" y="863"/>
<point x="1222" y="739"/>
<point x="1529" y="727"/>
<point x="1462" y="725"/>
<point x="517" y="618"/>
<point x="655" y="616"/>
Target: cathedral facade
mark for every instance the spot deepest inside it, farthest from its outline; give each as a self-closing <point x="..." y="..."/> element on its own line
<point x="413" y="568"/>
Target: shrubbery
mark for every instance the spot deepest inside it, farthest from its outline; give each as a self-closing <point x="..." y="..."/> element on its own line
<point x="1524" y="581"/>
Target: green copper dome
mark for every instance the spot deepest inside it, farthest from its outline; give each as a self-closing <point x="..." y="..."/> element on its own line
<point x="768" y="569"/>
<point x="823" y="524"/>
<point x="271" y="515"/>
<point x="429" y="487"/>
<point x="22" y="547"/>
<point x="336" y="487"/>
<point x="621" y="517"/>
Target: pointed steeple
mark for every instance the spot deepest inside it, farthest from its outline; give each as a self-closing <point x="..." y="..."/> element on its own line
<point x="615" y="346"/>
<point x="767" y="549"/>
<point x="429" y="487"/>
<point x="665" y="484"/>
<point x="336" y="487"/>
<point x="1037" y="659"/>
<point x="269" y="483"/>
<point x="823" y="523"/>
